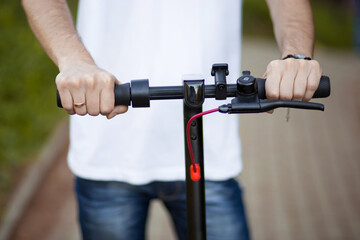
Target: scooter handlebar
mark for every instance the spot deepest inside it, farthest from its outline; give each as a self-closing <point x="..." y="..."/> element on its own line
<point x="139" y="93"/>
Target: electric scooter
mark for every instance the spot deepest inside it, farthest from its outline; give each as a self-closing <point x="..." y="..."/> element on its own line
<point x="248" y="95"/>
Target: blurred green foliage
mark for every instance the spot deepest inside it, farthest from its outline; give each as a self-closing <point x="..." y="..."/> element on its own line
<point x="333" y="21"/>
<point x="28" y="111"/>
<point x="26" y="76"/>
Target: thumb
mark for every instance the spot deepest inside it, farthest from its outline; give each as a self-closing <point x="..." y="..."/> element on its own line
<point x="117" y="110"/>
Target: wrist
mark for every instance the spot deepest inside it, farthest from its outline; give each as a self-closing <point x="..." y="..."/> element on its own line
<point x="294" y="51"/>
<point x="79" y="58"/>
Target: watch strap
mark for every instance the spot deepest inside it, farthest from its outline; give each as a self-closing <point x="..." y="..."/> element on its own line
<point x="297" y="56"/>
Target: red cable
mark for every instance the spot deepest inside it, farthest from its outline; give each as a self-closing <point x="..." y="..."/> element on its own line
<point x="195" y="167"/>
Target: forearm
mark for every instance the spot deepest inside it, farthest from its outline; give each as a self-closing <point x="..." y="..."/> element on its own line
<point x="83" y="87"/>
<point x="293" y="26"/>
<point x="52" y="24"/>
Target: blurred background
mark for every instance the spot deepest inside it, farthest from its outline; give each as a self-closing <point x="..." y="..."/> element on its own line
<point x="303" y="184"/>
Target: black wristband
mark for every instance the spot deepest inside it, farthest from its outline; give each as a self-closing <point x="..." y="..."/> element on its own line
<point x="297" y="56"/>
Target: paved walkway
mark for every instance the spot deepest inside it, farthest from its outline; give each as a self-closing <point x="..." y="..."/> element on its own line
<point x="301" y="178"/>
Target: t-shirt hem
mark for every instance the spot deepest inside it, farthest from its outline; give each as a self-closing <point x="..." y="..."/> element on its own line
<point x="168" y="174"/>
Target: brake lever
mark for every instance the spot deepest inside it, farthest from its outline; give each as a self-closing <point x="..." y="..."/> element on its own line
<point x="267" y="105"/>
<point x="247" y="99"/>
<point x="260" y="105"/>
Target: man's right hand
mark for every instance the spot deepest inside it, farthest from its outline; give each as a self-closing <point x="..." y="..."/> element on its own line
<point x="87" y="89"/>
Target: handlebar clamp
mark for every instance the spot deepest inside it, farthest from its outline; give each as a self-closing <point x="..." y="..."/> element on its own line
<point x="140" y="94"/>
<point x="220" y="71"/>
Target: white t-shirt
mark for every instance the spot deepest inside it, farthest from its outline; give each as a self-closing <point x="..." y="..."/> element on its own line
<point x="159" y="40"/>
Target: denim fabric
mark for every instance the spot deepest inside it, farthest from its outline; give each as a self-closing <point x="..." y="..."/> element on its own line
<point x="117" y="210"/>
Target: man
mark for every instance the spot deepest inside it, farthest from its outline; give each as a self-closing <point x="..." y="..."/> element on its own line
<point x="123" y="162"/>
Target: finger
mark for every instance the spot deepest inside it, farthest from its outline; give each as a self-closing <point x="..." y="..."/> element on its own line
<point x="79" y="102"/>
<point x="287" y="81"/>
<point x="272" y="84"/>
<point x="312" y="83"/>
<point x="117" y="110"/>
<point x="300" y="85"/>
<point x="107" y="99"/>
<point x="67" y="101"/>
<point x="93" y="102"/>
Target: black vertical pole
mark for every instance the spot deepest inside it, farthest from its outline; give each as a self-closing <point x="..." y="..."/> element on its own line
<point x="195" y="191"/>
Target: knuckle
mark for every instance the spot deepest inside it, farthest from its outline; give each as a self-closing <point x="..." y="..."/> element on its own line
<point x="107" y="79"/>
<point x="74" y="83"/>
<point x="307" y="97"/>
<point x="286" y="96"/>
<point x="299" y="94"/>
<point x="314" y="63"/>
<point x="66" y="103"/>
<point x="61" y="85"/>
<point x="58" y="79"/>
<point x="68" y="108"/>
<point x="273" y="64"/>
<point x="62" y="82"/>
<point x="90" y="82"/>
<point x="272" y="94"/>
<point x="81" y="113"/>
<point x="106" y="110"/>
<point x="93" y="113"/>
<point x="312" y="86"/>
<point x="290" y="63"/>
<point x="70" y="112"/>
<point x="303" y="64"/>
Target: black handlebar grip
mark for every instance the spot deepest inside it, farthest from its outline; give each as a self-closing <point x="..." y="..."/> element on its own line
<point x="122" y="95"/>
<point x="323" y="90"/>
<point x="58" y="99"/>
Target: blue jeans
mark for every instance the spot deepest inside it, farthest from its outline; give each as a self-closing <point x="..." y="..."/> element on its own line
<point x="117" y="210"/>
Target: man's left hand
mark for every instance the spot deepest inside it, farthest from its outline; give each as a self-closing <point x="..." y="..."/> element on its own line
<point x="292" y="79"/>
